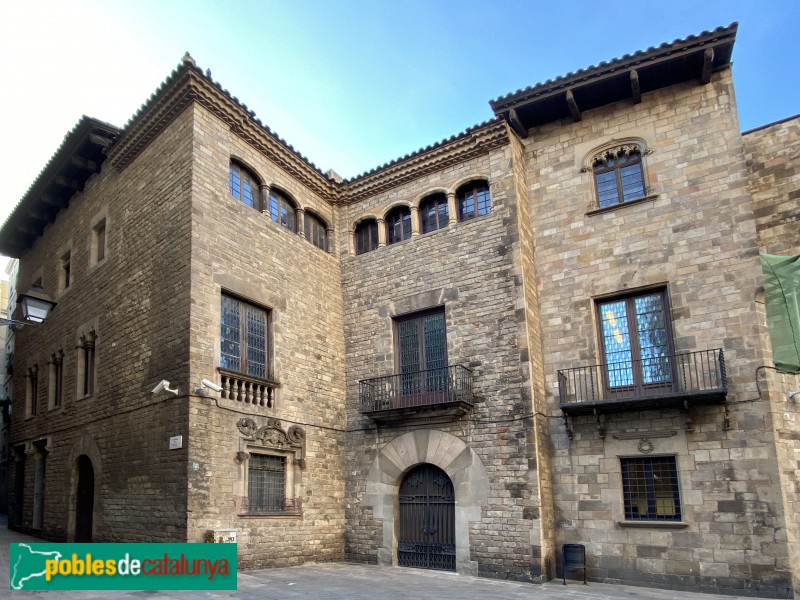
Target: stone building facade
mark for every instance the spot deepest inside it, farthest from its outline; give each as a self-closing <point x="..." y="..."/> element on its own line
<point x="545" y="330"/>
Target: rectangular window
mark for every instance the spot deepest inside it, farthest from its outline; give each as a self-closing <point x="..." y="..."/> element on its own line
<point x="266" y="488"/>
<point x="32" y="391"/>
<point x="366" y="236"/>
<point x="86" y="364"/>
<point x="246" y="338"/>
<point x="98" y="249"/>
<point x="618" y="176"/>
<point x="636" y="342"/>
<point x="650" y="489"/>
<point x="65" y="271"/>
<point x="421" y="350"/>
<point x="56" y="386"/>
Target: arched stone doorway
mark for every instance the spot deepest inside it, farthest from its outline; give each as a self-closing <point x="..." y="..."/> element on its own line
<point x="84" y="500"/>
<point x="84" y="455"/>
<point x="426" y="534"/>
<point x="464" y="468"/>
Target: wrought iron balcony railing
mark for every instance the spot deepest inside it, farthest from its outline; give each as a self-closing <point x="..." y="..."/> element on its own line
<point x="661" y="381"/>
<point x="450" y="385"/>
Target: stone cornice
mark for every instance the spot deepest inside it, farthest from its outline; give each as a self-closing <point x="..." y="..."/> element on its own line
<point x="187" y="85"/>
<point x="474" y="142"/>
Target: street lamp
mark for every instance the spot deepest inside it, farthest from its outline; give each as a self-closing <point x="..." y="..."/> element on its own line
<point x="36" y="305"/>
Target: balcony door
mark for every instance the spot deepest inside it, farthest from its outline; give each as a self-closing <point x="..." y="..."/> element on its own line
<point x="422" y="358"/>
<point x="636" y="342"/>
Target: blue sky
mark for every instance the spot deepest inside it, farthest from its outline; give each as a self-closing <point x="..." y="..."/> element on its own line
<point x="351" y="84"/>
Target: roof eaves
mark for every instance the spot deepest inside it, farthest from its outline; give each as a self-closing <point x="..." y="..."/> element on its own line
<point x="503" y="103"/>
<point x="453" y="138"/>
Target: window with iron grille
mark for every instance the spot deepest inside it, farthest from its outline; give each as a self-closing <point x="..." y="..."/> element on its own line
<point x="246" y="338"/>
<point x="433" y="212"/>
<point x="366" y="236"/>
<point x="266" y="487"/>
<point x="243" y="185"/>
<point x="618" y="175"/>
<point x="398" y="225"/>
<point x="650" y="489"/>
<point x="474" y="200"/>
<point x="316" y="231"/>
<point x="282" y="211"/>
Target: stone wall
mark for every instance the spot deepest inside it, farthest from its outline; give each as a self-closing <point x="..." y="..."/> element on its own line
<point x="237" y="249"/>
<point x="695" y="237"/>
<point x="473" y="270"/>
<point x="773" y="164"/>
<point x="773" y="156"/>
<point x="137" y="301"/>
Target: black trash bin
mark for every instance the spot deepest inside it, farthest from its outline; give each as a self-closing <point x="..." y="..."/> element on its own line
<point x="574" y="560"/>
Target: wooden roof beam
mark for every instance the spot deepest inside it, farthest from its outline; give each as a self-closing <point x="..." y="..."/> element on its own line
<point x="70" y="184"/>
<point x="708" y="63"/>
<point x="516" y="124"/>
<point x="573" y="106"/>
<point x="99" y="140"/>
<point x="56" y="201"/>
<point x="636" y="90"/>
<point x="84" y="163"/>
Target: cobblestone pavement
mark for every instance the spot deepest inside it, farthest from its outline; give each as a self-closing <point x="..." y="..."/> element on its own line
<point x="343" y="581"/>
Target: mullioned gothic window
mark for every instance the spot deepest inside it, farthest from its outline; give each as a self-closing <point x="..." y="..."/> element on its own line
<point x="618" y="175"/>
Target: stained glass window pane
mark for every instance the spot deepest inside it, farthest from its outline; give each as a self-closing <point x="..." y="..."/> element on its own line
<point x="653" y="343"/>
<point x="256" y="342"/>
<point x="616" y="343"/>
<point x="230" y="335"/>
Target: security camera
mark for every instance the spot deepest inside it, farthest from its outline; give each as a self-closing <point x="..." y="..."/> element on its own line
<point x="163" y="386"/>
<point x="211" y="385"/>
<point x="791" y="395"/>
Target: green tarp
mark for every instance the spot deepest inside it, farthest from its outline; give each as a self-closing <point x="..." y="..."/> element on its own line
<point x="782" y="297"/>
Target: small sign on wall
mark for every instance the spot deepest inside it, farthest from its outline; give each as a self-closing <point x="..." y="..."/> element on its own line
<point x="175" y="442"/>
<point x="224" y="536"/>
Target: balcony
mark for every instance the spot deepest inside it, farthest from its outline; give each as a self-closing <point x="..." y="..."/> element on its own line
<point x="247" y="389"/>
<point x="444" y="393"/>
<point x="676" y="380"/>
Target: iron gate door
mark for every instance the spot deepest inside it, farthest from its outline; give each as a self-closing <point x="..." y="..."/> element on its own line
<point x="427" y="537"/>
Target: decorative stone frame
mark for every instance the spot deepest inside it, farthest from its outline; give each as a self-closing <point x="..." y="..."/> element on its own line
<point x="651" y="443"/>
<point x="271" y="439"/>
<point x="628" y="144"/>
<point x="454" y="457"/>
